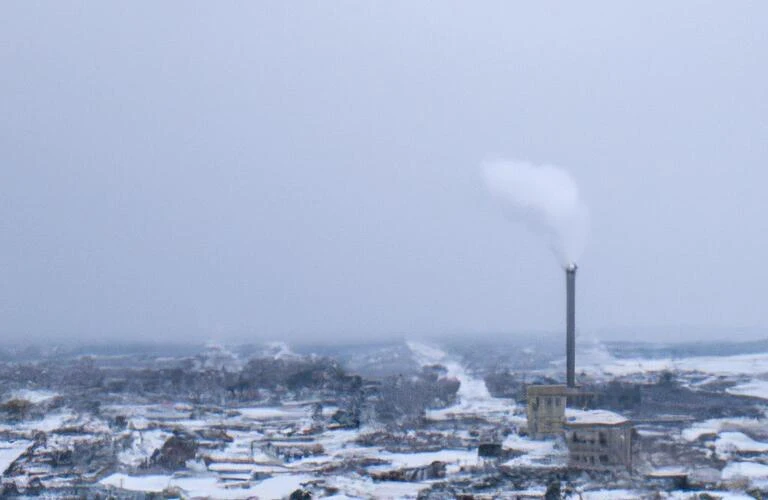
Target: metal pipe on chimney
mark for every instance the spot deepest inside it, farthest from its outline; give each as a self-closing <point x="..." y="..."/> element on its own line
<point x="570" y="328"/>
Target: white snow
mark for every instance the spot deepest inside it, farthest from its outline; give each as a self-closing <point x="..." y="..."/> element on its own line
<point x="471" y="389"/>
<point x="10" y="452"/>
<point x="537" y="453"/>
<point x="153" y="483"/>
<point x="473" y="396"/>
<point x="720" y="495"/>
<point x="605" y="417"/>
<point x="280" y="350"/>
<point x="755" y="389"/>
<point x="650" y="433"/>
<point x="403" y="460"/>
<point x="717" y="425"/>
<point x="667" y="472"/>
<point x="749" y="470"/>
<point x="138" y="423"/>
<point x="230" y="467"/>
<point x="208" y="486"/>
<point x="530" y="446"/>
<point x="143" y="446"/>
<point x="606" y="364"/>
<point x="609" y="495"/>
<point x="34" y="397"/>
<point x="729" y="443"/>
<point x="50" y="423"/>
<point x="365" y="487"/>
<point x="279" y="486"/>
<point x="272" y="413"/>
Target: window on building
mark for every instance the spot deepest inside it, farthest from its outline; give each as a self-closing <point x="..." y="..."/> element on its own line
<point x="576" y="438"/>
<point x="603" y="439"/>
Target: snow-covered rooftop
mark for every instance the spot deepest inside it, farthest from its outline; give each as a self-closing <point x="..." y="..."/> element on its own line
<point x="596" y="417"/>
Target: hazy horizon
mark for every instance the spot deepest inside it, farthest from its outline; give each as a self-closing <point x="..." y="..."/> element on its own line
<point x="307" y="170"/>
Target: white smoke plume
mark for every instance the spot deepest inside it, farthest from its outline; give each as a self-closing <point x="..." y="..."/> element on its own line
<point x="546" y="199"/>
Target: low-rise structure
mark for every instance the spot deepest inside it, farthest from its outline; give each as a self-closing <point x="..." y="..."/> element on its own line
<point x="598" y="440"/>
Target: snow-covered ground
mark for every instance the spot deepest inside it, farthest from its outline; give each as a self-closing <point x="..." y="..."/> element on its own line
<point x="756" y="473"/>
<point x="755" y="389"/>
<point x="598" y="362"/>
<point x="244" y="455"/>
<point x="408" y="460"/>
<point x="279" y="350"/>
<point x="576" y="416"/>
<point x="729" y="443"/>
<point x="10" y="452"/>
<point x="144" y="444"/>
<point x="207" y="486"/>
<point x="34" y="397"/>
<point x="615" y="494"/>
<point x="273" y="413"/>
<point x="544" y="453"/>
<point x="717" y="425"/>
<point x="473" y="396"/>
<point x="50" y="423"/>
<point x="243" y="466"/>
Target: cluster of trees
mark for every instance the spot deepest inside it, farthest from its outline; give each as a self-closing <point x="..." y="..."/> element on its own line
<point x="403" y="400"/>
<point x="618" y="396"/>
<point x="299" y="376"/>
<point x="400" y="399"/>
<point x="175" y="452"/>
<point x="16" y="409"/>
<point x="504" y="384"/>
<point x="259" y="378"/>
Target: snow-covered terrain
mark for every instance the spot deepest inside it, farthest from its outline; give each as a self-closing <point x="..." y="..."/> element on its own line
<point x="599" y="362"/>
<point x="473" y="395"/>
<point x="754" y="388"/>
<point x="271" y="442"/>
<point x="10" y="452"/>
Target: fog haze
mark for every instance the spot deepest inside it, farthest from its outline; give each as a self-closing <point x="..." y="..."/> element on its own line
<point x="311" y="170"/>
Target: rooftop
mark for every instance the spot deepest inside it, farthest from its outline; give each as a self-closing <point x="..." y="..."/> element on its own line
<point x="593" y="417"/>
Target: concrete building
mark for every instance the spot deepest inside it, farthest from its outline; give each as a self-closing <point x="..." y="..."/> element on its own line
<point x="546" y="410"/>
<point x="598" y="440"/>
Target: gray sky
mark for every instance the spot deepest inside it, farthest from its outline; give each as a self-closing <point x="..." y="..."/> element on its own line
<point x="296" y="169"/>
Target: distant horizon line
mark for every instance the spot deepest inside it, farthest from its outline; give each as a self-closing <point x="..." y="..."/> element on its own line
<point x="608" y="334"/>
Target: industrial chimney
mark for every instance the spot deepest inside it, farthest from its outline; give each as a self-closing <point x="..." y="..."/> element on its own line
<point x="570" y="327"/>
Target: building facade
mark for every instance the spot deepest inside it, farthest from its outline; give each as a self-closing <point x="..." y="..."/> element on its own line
<point x="598" y="440"/>
<point x="546" y="410"/>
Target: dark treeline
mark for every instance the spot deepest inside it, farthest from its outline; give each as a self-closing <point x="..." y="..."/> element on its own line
<point x="87" y="382"/>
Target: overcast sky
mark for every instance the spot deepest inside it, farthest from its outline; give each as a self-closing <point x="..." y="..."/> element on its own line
<point x="312" y="169"/>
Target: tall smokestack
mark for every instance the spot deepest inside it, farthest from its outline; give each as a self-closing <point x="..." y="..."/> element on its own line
<point x="570" y="328"/>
